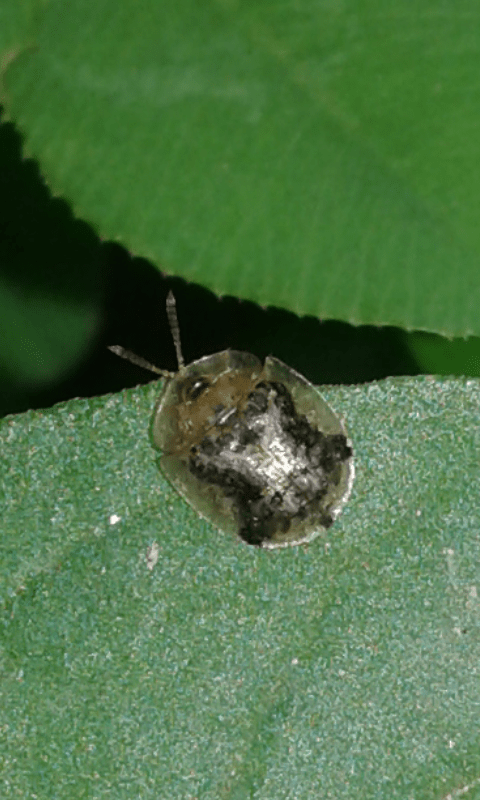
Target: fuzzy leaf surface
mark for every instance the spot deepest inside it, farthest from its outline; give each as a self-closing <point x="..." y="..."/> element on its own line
<point x="141" y="649"/>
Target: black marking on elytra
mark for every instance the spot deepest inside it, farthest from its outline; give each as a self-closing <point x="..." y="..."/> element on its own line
<point x="238" y="457"/>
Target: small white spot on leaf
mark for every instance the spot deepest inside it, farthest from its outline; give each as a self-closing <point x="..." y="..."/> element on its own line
<point x="152" y="555"/>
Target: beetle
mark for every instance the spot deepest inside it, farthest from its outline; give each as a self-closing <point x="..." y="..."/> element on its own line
<point x="254" y="448"/>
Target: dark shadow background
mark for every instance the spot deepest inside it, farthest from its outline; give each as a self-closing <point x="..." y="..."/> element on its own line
<point x="39" y="235"/>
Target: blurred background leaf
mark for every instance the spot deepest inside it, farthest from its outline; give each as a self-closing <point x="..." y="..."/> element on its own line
<point x="297" y="155"/>
<point x="51" y="284"/>
<point x="143" y="653"/>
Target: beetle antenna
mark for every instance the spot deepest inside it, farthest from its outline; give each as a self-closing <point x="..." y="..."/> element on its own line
<point x="175" y="328"/>
<point x="128" y="355"/>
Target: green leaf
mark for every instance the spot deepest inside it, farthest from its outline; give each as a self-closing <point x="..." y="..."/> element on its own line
<point x="441" y="356"/>
<point x="348" y="668"/>
<point x="17" y="24"/>
<point x="310" y="156"/>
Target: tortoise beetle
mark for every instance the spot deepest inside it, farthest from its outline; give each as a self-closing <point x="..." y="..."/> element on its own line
<point x="253" y="448"/>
